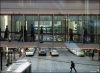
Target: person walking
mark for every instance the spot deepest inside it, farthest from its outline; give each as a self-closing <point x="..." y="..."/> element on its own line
<point x="72" y="66"/>
<point x="71" y="35"/>
<point x="32" y="33"/>
<point x="92" y="55"/>
<point x="41" y="35"/>
<point x="6" y="35"/>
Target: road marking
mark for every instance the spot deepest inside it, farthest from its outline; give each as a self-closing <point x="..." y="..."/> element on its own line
<point x="93" y="71"/>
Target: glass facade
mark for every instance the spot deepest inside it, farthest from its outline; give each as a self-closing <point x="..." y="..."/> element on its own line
<point x="56" y="27"/>
<point x="46" y="23"/>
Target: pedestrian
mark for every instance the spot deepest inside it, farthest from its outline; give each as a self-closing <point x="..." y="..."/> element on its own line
<point x="71" y="34"/>
<point x="46" y="30"/>
<point x="32" y="33"/>
<point x="72" y="66"/>
<point x="83" y="35"/>
<point x="0" y="35"/>
<point x="25" y="34"/>
<point x="92" y="55"/>
<point x="99" y="56"/>
<point x="21" y="32"/>
<point x="7" y="62"/>
<point x="6" y="35"/>
<point x="41" y="35"/>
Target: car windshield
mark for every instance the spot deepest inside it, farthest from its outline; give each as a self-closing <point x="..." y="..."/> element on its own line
<point x="54" y="50"/>
<point x="30" y="50"/>
<point x="43" y="49"/>
<point x="80" y="51"/>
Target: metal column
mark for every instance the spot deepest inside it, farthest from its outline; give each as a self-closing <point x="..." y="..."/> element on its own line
<point x="1" y="61"/>
<point x="53" y="28"/>
<point x="23" y="29"/>
<point x="38" y="31"/>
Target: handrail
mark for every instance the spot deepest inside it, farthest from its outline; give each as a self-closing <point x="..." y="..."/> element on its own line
<point x="55" y="33"/>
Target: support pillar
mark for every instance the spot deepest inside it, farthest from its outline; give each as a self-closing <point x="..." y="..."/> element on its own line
<point x="1" y="61"/>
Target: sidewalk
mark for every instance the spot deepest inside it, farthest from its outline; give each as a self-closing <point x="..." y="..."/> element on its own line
<point x="95" y="58"/>
<point x="4" y="61"/>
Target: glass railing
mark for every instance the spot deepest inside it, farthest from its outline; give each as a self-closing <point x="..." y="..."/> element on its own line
<point x="48" y="37"/>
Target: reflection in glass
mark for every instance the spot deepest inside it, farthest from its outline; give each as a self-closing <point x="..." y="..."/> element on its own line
<point x="46" y="23"/>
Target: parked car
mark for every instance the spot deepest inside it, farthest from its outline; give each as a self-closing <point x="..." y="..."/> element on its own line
<point x="30" y="51"/>
<point x="42" y="51"/>
<point x="54" y="52"/>
<point x="59" y="39"/>
<point x="78" y="52"/>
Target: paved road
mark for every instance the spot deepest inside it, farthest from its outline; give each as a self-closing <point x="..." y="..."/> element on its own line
<point x="62" y="62"/>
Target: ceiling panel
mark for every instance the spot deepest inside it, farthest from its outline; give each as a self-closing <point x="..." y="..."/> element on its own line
<point x="48" y="1"/>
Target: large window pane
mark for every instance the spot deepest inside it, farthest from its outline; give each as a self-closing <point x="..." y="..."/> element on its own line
<point x="75" y="24"/>
<point x="32" y="19"/>
<point x="5" y="20"/>
<point x="17" y="22"/>
<point x="98" y="28"/>
<point x="46" y="23"/>
<point x="90" y="23"/>
<point x="59" y="28"/>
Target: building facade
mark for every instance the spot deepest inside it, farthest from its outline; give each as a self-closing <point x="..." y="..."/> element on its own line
<point x="56" y="17"/>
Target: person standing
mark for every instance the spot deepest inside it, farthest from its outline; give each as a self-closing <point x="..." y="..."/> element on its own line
<point x="41" y="35"/>
<point x="0" y="32"/>
<point x="72" y="66"/>
<point x="25" y="34"/>
<point x="83" y="35"/>
<point x="99" y="56"/>
<point x="21" y="32"/>
<point x="32" y="33"/>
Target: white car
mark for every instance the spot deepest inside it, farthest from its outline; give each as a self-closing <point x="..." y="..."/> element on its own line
<point x="42" y="51"/>
<point x="30" y="51"/>
<point x="54" y="52"/>
<point x="59" y="39"/>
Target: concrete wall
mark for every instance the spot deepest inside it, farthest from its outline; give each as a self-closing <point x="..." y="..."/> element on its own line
<point x="50" y="8"/>
<point x="35" y="44"/>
